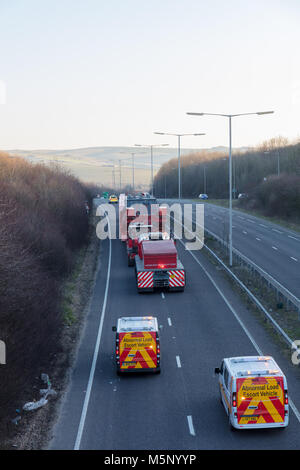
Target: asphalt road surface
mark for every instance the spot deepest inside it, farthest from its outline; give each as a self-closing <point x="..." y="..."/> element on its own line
<point x="272" y="247"/>
<point x="179" y="408"/>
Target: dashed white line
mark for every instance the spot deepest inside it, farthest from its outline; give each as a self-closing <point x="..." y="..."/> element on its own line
<point x="258" y="239"/>
<point x="178" y="362"/>
<point x="252" y="221"/>
<point x="260" y="353"/>
<point x="277" y="231"/>
<point x="191" y="426"/>
<point x="163" y="296"/>
<point x="244" y="231"/>
<point x="169" y="321"/>
<point x="262" y="225"/>
<point x="275" y="248"/>
<point x="295" y="259"/>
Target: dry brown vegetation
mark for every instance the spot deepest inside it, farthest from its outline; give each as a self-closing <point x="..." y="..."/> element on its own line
<point x="43" y="222"/>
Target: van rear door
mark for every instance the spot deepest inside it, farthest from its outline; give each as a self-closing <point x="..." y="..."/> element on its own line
<point x="138" y="350"/>
<point x="260" y="400"/>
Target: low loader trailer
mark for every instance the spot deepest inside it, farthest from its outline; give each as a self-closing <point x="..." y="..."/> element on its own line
<point x="157" y="266"/>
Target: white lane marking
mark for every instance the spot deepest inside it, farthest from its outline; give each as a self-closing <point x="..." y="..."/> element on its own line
<point x="163" y="295"/>
<point x="170" y="321"/>
<point x="96" y="353"/>
<point x="294" y="238"/>
<point x="295" y="259"/>
<point x="274" y="248"/>
<point x="243" y="218"/>
<point x="262" y="225"/>
<point x="191" y="426"/>
<point x="178" y="362"/>
<point x="252" y="221"/>
<point x="277" y="231"/>
<point x="258" y="239"/>
<point x="244" y="231"/>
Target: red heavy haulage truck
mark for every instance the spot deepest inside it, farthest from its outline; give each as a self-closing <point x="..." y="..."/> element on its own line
<point x="146" y="222"/>
<point x="157" y="266"/>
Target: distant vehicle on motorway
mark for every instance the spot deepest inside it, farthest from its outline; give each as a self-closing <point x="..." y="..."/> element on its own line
<point x="254" y="392"/>
<point x="242" y="196"/>
<point x="203" y="196"/>
<point x="137" y="344"/>
<point x="113" y="199"/>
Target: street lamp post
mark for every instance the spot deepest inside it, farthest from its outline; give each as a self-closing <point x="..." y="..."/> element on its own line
<point x="179" y="165"/>
<point x="151" y="155"/>
<point x="132" y="160"/>
<point x="278" y="163"/>
<point x="230" y="116"/>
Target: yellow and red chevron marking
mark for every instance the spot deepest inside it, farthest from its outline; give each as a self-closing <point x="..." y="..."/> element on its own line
<point x="260" y="400"/>
<point x="176" y="278"/>
<point x="145" y="279"/>
<point x="138" y="350"/>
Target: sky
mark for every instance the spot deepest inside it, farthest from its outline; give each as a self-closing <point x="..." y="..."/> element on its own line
<point x="86" y="73"/>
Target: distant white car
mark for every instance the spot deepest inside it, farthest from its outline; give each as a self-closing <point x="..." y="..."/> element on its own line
<point x="203" y="196"/>
<point x="242" y="196"/>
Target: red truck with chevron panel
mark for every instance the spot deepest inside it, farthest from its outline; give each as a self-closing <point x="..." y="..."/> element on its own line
<point x="157" y="265"/>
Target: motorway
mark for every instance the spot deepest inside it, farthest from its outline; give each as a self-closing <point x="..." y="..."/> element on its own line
<point x="272" y="247"/>
<point x="178" y="409"/>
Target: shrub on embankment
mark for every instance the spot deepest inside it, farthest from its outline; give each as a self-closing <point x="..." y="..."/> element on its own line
<point x="254" y="173"/>
<point x="43" y="221"/>
<point x="277" y="196"/>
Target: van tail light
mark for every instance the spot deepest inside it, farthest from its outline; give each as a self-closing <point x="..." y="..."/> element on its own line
<point x="286" y="398"/>
<point x="234" y="400"/>
<point x="157" y="345"/>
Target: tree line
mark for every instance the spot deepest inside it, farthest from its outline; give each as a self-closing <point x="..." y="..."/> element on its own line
<point x="270" y="172"/>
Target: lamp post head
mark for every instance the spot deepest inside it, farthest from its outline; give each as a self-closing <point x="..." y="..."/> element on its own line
<point x="260" y="113"/>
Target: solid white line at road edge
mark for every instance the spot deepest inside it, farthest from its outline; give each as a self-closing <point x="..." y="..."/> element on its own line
<point x="96" y="351"/>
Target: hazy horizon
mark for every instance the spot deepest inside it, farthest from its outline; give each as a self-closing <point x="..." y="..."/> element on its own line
<point x="82" y="74"/>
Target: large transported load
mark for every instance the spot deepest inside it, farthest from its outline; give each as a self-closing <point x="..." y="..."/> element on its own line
<point x="149" y="220"/>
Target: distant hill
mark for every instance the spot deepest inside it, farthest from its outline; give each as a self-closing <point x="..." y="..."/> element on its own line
<point x="101" y="164"/>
